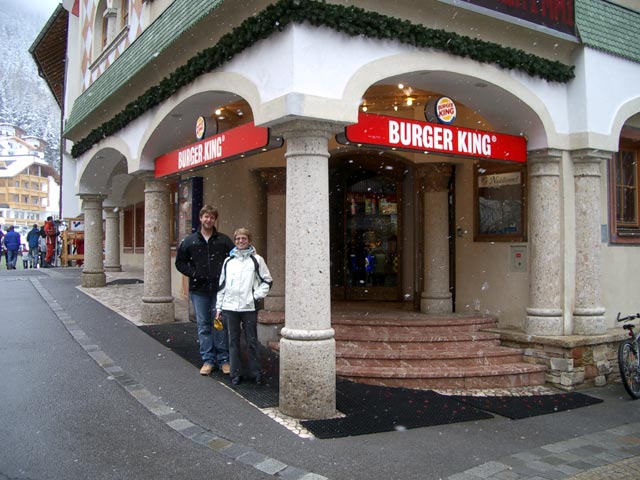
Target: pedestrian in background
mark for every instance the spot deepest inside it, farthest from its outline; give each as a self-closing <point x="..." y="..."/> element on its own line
<point x="51" y="234"/>
<point x="245" y="279"/>
<point x="33" y="242"/>
<point x="200" y="257"/>
<point x="12" y="244"/>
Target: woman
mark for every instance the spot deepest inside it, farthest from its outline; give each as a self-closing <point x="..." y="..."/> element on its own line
<point x="245" y="279"/>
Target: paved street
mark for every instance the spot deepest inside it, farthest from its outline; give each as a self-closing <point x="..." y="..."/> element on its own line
<point x="86" y="394"/>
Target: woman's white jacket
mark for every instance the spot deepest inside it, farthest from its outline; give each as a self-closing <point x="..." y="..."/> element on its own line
<point x="240" y="286"/>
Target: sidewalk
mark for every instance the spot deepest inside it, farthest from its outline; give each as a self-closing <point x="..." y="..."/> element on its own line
<point x="596" y="442"/>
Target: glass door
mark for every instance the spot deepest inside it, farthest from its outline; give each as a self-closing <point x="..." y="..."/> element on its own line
<point x="366" y="224"/>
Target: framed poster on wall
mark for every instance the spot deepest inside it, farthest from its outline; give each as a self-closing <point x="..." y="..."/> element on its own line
<point x="500" y="203"/>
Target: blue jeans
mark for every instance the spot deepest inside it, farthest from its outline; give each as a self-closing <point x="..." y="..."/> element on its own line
<point x="214" y="344"/>
<point x="12" y="258"/>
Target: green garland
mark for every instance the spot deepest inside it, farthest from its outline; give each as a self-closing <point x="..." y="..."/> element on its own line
<point x="352" y="21"/>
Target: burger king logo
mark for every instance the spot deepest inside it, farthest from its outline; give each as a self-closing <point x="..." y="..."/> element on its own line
<point x="446" y="110"/>
<point x="201" y="126"/>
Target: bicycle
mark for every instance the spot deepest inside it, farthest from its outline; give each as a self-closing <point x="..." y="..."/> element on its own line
<point x="629" y="358"/>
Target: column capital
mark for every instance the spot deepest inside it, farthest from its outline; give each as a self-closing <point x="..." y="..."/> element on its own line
<point x="299" y="128"/>
<point x="94" y="197"/>
<point x="544" y="162"/>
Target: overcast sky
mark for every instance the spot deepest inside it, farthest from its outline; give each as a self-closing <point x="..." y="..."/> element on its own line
<point x="43" y="7"/>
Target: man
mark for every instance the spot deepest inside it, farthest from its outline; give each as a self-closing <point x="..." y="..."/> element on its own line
<point x="12" y="244"/>
<point x="33" y="241"/>
<point x="200" y="257"/>
<point x="51" y="233"/>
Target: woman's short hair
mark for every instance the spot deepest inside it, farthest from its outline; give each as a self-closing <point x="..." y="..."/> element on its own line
<point x="242" y="231"/>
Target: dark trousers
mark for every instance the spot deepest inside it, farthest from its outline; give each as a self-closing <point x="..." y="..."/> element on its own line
<point x="249" y="323"/>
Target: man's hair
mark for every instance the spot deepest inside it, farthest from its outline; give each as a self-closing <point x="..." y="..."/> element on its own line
<point x="209" y="209"/>
<point x="242" y="231"/>
<point x="49" y="218"/>
<point x="35" y="225"/>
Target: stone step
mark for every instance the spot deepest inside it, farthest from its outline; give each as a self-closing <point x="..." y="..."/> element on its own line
<point x="434" y="358"/>
<point x="470" y="377"/>
<point x="383" y="335"/>
<point x="413" y="350"/>
<point x="420" y="321"/>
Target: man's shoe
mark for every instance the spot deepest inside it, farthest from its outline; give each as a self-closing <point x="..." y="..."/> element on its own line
<point x="206" y="369"/>
<point x="226" y="368"/>
<point x="235" y="381"/>
<point x="259" y="379"/>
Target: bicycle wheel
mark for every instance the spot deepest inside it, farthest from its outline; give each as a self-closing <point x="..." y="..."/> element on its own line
<point x="628" y="363"/>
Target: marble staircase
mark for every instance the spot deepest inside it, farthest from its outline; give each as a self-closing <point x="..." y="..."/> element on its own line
<point x="408" y="349"/>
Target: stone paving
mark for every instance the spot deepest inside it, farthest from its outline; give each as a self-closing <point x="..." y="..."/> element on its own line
<point x="611" y="454"/>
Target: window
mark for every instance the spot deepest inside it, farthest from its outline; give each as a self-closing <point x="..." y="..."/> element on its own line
<point x="139" y="229"/>
<point x="500" y="206"/>
<point x="124" y="13"/>
<point x="624" y="194"/>
<point x="128" y="229"/>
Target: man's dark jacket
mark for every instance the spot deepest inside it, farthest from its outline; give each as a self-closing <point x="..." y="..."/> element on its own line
<point x="201" y="261"/>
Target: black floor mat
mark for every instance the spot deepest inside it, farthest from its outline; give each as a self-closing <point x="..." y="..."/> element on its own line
<point x="367" y="408"/>
<point x="374" y="409"/>
<point x="182" y="338"/>
<point x="529" y="406"/>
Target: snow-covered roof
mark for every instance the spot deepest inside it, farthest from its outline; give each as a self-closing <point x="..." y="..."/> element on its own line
<point x="17" y="164"/>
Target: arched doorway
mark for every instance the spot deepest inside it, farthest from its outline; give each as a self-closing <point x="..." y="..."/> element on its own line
<point x="366" y="225"/>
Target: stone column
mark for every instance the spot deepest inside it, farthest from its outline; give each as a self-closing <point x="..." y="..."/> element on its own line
<point x="275" y="180"/>
<point x="112" y="240"/>
<point x="436" y="296"/>
<point x="544" y="314"/>
<point x="307" y="346"/>
<point x="588" y="312"/>
<point x="157" y="302"/>
<point x="93" y="269"/>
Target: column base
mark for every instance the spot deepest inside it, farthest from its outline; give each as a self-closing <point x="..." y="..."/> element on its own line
<point x="436" y="305"/>
<point x="93" y="278"/>
<point x="158" y="310"/>
<point x="589" y="321"/>
<point x="547" y="322"/>
<point x="114" y="268"/>
<point x="308" y="378"/>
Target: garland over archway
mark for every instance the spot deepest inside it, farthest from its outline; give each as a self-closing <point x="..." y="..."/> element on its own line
<point x="353" y="21"/>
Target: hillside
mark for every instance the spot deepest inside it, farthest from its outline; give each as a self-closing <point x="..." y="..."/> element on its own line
<point x="25" y="99"/>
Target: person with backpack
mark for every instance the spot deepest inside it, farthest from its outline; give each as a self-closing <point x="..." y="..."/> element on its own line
<point x="33" y="242"/>
<point x="200" y="257"/>
<point x="244" y="281"/>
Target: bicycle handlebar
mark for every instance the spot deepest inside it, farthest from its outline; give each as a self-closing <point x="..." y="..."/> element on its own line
<point x="629" y="317"/>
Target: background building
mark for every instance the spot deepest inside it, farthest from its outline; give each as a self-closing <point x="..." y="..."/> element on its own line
<point x="29" y="186"/>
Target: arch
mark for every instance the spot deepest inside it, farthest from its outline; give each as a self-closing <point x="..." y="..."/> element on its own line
<point x="624" y="113"/>
<point x="175" y="119"/>
<point x="485" y="88"/>
<point x="101" y="166"/>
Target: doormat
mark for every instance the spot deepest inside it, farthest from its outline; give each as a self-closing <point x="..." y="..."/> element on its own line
<point x="527" y="406"/>
<point x="125" y="281"/>
<point x="374" y="409"/>
<point x="182" y="339"/>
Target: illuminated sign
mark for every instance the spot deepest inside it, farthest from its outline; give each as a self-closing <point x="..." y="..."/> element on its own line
<point x="235" y="143"/>
<point x="201" y="126"/>
<point x="412" y="135"/>
<point x="441" y="110"/>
